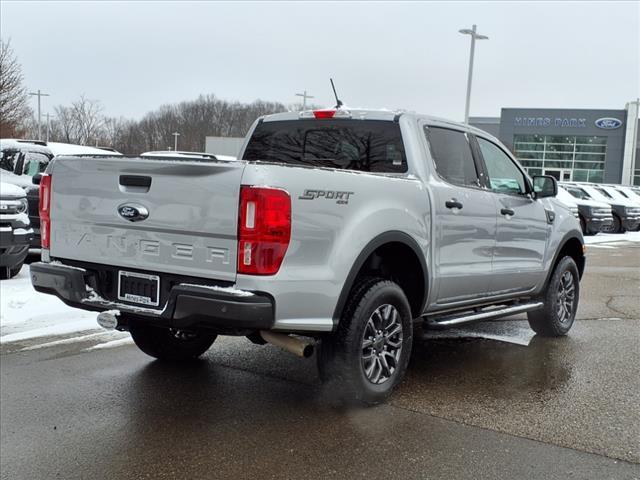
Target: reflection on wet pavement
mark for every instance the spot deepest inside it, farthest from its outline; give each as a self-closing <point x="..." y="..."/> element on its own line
<point x="555" y="390"/>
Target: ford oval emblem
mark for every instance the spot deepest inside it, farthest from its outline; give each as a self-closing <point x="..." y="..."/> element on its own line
<point x="133" y="212"/>
<point x="608" y="123"/>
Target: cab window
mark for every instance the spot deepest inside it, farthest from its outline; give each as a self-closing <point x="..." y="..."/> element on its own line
<point x="504" y="175"/>
<point x="452" y="155"/>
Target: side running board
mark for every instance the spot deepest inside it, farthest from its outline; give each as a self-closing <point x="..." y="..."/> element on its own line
<point x="478" y="315"/>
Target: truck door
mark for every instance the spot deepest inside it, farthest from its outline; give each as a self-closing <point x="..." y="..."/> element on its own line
<point x="522" y="228"/>
<point x="464" y="226"/>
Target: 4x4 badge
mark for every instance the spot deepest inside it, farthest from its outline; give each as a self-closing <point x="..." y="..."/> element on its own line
<point x="133" y="212"/>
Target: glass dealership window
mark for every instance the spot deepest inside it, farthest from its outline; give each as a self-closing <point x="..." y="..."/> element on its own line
<point x="583" y="155"/>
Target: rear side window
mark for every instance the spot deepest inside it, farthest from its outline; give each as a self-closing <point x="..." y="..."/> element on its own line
<point x="35" y="162"/>
<point x="364" y="145"/>
<point x="452" y="155"/>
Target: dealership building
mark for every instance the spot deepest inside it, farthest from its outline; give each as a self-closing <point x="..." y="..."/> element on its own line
<point x="580" y="145"/>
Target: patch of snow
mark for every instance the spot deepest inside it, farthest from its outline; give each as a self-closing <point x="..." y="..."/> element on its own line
<point x="71" y="149"/>
<point x="111" y="344"/>
<point x="229" y="290"/>
<point x="60" y="264"/>
<point x="611" y="238"/>
<point x="27" y="314"/>
<point x="64" y="341"/>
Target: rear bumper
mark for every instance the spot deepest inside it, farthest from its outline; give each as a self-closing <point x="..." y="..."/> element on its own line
<point x="187" y="305"/>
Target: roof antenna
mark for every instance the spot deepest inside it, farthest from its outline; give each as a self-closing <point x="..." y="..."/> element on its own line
<point x="338" y="102"/>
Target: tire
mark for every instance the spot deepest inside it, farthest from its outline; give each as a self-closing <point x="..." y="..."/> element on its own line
<point x="616" y="227"/>
<point x="6" y="272"/>
<point x="557" y="316"/>
<point x="368" y="355"/>
<point x="171" y="344"/>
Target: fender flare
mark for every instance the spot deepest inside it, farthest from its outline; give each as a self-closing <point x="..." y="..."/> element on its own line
<point x="393" y="236"/>
<point x="571" y="235"/>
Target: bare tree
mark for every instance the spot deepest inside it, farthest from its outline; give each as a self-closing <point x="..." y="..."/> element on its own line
<point x="14" y="109"/>
<point x="89" y="120"/>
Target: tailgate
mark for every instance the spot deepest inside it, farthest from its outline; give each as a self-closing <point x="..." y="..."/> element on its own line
<point x="192" y="208"/>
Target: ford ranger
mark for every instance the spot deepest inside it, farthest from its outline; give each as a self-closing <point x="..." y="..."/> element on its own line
<point x="336" y="229"/>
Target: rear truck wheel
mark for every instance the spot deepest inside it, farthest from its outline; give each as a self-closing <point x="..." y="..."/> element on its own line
<point x="170" y="343"/>
<point x="560" y="301"/>
<point x="368" y="354"/>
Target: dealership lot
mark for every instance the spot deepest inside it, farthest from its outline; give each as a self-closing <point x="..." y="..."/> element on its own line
<point x="551" y="409"/>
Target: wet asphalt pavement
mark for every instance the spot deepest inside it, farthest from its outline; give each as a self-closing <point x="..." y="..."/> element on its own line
<point x="468" y="408"/>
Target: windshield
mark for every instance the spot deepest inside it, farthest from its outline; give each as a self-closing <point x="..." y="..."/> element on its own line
<point x="365" y="145"/>
<point x="604" y="192"/>
<point x="578" y="193"/>
<point x="622" y="193"/>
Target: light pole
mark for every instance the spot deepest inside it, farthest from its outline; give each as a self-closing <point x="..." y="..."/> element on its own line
<point x="304" y="98"/>
<point x="175" y="141"/>
<point x="474" y="36"/>
<point x="39" y="94"/>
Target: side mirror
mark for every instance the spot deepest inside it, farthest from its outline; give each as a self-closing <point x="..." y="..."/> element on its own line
<point x="545" y="186"/>
<point x="36" y="178"/>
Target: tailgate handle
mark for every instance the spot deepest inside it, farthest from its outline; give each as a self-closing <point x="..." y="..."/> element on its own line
<point x="135" y="181"/>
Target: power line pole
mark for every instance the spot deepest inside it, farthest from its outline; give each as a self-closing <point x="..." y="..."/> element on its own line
<point x="175" y="141"/>
<point x="48" y="125"/>
<point x="39" y="94"/>
<point x="304" y="96"/>
<point x="474" y="36"/>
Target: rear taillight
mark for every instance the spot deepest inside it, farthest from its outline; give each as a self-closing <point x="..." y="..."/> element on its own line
<point x="264" y="229"/>
<point x="45" y="210"/>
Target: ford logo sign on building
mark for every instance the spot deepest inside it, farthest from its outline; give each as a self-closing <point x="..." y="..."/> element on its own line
<point x="608" y="123"/>
<point x="132" y="212"/>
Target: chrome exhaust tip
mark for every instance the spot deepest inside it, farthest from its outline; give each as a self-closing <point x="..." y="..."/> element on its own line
<point x="108" y="320"/>
<point x="294" y="345"/>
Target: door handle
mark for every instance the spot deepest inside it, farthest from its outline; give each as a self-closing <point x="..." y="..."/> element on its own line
<point x="452" y="204"/>
<point x="507" y="211"/>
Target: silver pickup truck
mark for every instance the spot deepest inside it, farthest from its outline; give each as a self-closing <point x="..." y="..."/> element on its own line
<point x="336" y="230"/>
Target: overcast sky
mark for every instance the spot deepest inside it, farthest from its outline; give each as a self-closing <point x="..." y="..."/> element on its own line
<point x="134" y="57"/>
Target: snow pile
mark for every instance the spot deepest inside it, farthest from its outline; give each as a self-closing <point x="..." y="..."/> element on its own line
<point x="612" y="238"/>
<point x="26" y="314"/>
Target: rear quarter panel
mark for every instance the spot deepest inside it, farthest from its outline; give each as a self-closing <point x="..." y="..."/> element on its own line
<point x="327" y="236"/>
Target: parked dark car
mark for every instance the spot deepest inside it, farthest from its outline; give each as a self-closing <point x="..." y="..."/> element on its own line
<point x="20" y="160"/>
<point x="594" y="216"/>
<point x="626" y="215"/>
<point x="15" y="232"/>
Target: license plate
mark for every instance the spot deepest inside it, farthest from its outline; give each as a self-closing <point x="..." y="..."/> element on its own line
<point x="139" y="288"/>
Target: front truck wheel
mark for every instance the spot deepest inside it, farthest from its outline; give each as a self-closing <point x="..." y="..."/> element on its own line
<point x="560" y="301"/>
<point x="368" y="354"/>
<point x="171" y="344"/>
